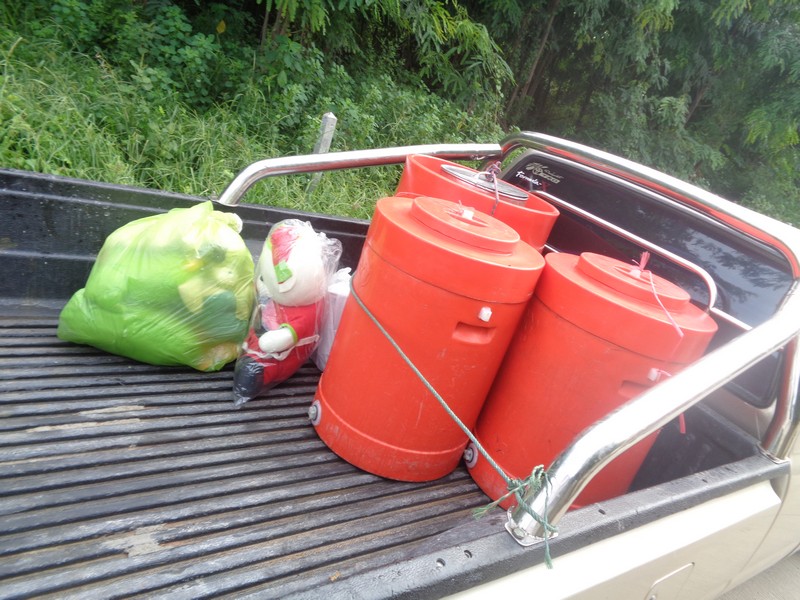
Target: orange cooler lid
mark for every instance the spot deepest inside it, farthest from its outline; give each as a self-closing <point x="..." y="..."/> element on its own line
<point x="456" y="248"/>
<point x="619" y="303"/>
<point x="421" y="170"/>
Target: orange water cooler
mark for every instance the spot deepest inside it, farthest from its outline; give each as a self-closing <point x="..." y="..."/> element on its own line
<point x="597" y="333"/>
<point x="449" y="285"/>
<point x="528" y="214"/>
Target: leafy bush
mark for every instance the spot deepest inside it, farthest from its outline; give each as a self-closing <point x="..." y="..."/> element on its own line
<point x="147" y="104"/>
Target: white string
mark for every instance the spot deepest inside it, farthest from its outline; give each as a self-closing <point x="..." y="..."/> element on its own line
<point x="638" y="272"/>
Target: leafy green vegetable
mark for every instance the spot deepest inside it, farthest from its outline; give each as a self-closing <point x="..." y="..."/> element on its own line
<point x="175" y="288"/>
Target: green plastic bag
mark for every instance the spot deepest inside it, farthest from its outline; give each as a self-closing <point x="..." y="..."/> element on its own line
<point x="171" y="289"/>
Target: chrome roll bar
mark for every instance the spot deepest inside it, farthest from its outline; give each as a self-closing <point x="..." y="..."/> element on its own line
<point x="603" y="441"/>
<point x="600" y="443"/>
<point x="785" y="237"/>
<point x="310" y="163"/>
<point x="697" y="270"/>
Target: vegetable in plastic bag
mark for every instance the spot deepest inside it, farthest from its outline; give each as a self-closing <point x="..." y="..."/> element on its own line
<point x="170" y="289"/>
<point x="293" y="273"/>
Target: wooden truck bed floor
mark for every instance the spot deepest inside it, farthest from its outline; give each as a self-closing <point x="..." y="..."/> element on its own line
<point x="121" y="478"/>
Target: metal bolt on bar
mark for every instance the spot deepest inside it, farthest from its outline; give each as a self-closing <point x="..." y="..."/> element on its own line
<point x="600" y="443"/>
<point x="310" y="163"/>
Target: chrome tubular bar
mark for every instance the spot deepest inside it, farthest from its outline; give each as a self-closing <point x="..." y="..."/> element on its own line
<point x="783" y="238"/>
<point x="600" y="443"/>
<point x="783" y="429"/>
<point x="641" y="242"/>
<point x="786" y="237"/>
<point x="310" y="163"/>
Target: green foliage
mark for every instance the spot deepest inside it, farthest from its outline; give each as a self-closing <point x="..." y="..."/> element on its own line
<point x="78" y="20"/>
<point x="286" y="62"/>
<point x="729" y="10"/>
<point x="162" y="53"/>
<point x="308" y="15"/>
<point x="43" y="110"/>
<point x="454" y="52"/>
<point x="649" y="128"/>
<point x="181" y="94"/>
<point x="131" y="113"/>
<point x="705" y="91"/>
<point x="775" y="122"/>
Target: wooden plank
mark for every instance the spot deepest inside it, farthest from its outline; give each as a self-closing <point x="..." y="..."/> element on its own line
<point x="120" y="478"/>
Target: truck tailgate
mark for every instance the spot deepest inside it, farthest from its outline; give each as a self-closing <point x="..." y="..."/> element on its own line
<point x="121" y="478"/>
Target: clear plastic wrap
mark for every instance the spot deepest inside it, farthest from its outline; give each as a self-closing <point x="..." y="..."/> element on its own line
<point x="170" y="289"/>
<point x="335" y="299"/>
<point x="292" y="276"/>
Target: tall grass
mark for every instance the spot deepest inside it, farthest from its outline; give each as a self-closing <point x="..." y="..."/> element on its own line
<point x="49" y="122"/>
<point x="70" y="113"/>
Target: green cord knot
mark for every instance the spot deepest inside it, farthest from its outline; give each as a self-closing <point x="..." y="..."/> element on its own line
<point x="517" y="488"/>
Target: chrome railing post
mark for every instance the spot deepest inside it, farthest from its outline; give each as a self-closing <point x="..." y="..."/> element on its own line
<point x="310" y="163"/>
<point x="600" y="443"/>
<point x="785" y="425"/>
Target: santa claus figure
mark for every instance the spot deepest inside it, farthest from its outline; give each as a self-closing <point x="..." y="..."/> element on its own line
<point x="292" y="275"/>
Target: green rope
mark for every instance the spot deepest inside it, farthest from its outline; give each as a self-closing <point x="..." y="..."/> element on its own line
<point x="516" y="487"/>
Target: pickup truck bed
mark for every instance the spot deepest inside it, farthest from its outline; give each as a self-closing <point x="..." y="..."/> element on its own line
<point x="121" y="479"/>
